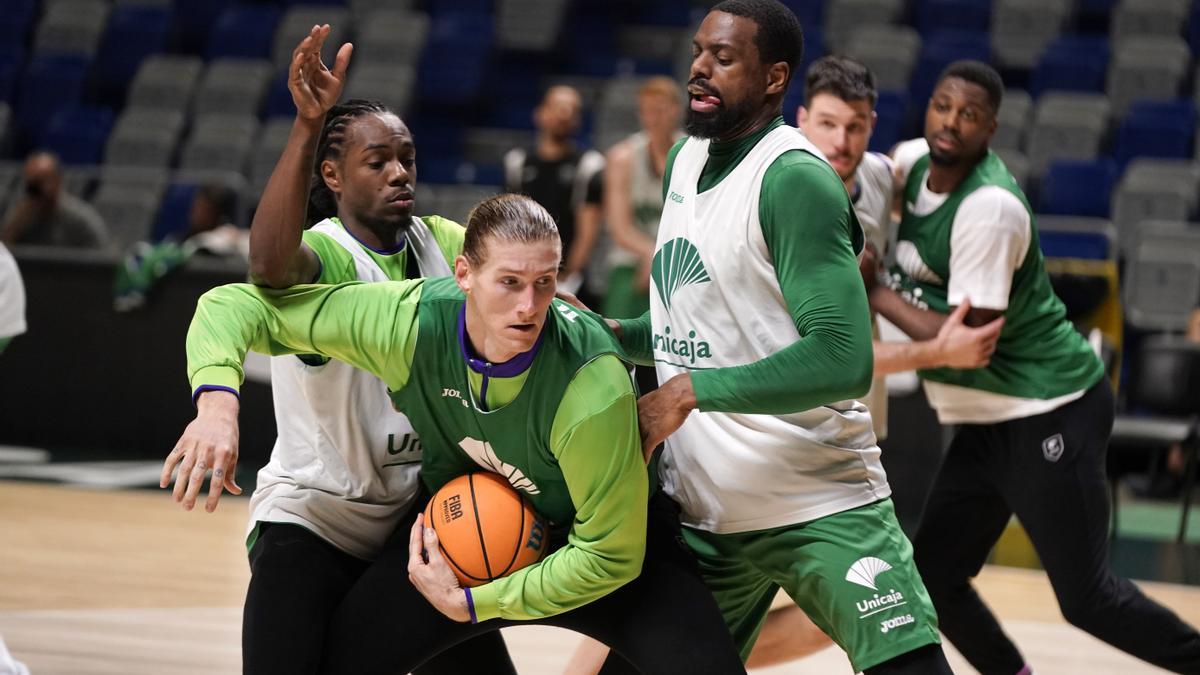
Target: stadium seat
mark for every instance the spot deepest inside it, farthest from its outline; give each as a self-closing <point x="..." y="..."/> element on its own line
<point x="1058" y="134"/>
<point x="1013" y="119"/>
<point x="936" y="16"/>
<point x="127" y="200"/>
<point x="453" y="65"/>
<point x="1146" y="68"/>
<point x="219" y="142"/>
<point x="1021" y="29"/>
<point x="1072" y="63"/>
<point x="133" y="34"/>
<point x="1077" y="237"/>
<point x="48" y="83"/>
<point x="937" y="53"/>
<point x="272" y="138"/>
<point x="174" y="212"/>
<point x="844" y="17"/>
<point x="1156" y="129"/>
<point x="245" y="32"/>
<point x="376" y="41"/>
<point x="392" y="85"/>
<point x="1164" y="18"/>
<point x="144" y="137"/>
<point x="77" y="134"/>
<point x="232" y="86"/>
<point x="71" y="27"/>
<point x="1077" y="188"/>
<point x="16" y="21"/>
<point x="1155" y="189"/>
<point x="1162" y="281"/>
<point x="12" y="61"/>
<point x="535" y="25"/>
<point x="889" y="51"/>
<point x="165" y="81"/>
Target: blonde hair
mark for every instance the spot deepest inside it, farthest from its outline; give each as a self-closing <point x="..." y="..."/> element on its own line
<point x="661" y="85"/>
<point x="506" y="217"/>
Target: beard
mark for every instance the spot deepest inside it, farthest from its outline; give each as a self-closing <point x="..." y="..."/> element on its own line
<point x="720" y="123"/>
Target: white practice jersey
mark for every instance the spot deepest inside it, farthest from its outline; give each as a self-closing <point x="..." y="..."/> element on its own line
<point x="345" y="464"/>
<point x="717" y="303"/>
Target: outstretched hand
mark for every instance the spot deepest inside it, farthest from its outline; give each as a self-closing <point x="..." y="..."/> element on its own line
<point x="314" y="87"/>
<point x="210" y="442"/>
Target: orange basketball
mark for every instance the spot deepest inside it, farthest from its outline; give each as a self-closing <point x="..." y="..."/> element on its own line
<point x="485" y="528"/>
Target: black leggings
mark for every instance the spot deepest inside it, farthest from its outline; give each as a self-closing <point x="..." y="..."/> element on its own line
<point x="1049" y="470"/>
<point x="663" y="622"/>
<point x="297" y="581"/>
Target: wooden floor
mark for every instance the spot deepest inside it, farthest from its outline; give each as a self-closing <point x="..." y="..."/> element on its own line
<point x="126" y="582"/>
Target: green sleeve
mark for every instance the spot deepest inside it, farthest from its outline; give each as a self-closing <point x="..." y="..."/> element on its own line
<point x="596" y="442"/>
<point x="449" y="236"/>
<point x="371" y="326"/>
<point x="337" y="265"/>
<point x="671" y="164"/>
<point x="812" y="235"/>
<point x="637" y="339"/>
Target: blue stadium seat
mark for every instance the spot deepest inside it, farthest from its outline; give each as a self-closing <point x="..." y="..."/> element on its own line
<point x="936" y="16"/>
<point x="1072" y="63"/>
<point x="592" y="49"/>
<point x="439" y="7"/>
<point x="133" y="33"/>
<point x="12" y="59"/>
<point x="811" y="14"/>
<point x="77" y="134"/>
<point x="246" y="32"/>
<point x="937" y="53"/>
<point x="1078" y="188"/>
<point x="1156" y="129"/>
<point x="49" y="82"/>
<point x="193" y="21"/>
<point x="173" y="214"/>
<point x="889" y="128"/>
<point x="16" y="21"/>
<point x="664" y="13"/>
<point x="278" y="100"/>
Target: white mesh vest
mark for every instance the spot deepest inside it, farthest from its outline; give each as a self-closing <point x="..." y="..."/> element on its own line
<point x="345" y="463"/>
<point x="716" y="302"/>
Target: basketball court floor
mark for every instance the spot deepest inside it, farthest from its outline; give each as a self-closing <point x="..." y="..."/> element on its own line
<point x="124" y="581"/>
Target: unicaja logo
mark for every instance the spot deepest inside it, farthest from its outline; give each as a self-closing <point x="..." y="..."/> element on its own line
<point x="864" y="571"/>
<point x="677" y="264"/>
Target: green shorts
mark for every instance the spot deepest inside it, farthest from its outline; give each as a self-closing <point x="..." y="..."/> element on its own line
<point x="851" y="572"/>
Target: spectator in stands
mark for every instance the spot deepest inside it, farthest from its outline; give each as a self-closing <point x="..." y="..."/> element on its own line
<point x="565" y="179"/>
<point x="47" y="214"/>
<point x="633" y="196"/>
<point x="210" y="223"/>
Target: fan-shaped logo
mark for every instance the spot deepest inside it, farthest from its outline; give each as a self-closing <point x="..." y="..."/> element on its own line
<point x="677" y="264"/>
<point x="864" y="571"/>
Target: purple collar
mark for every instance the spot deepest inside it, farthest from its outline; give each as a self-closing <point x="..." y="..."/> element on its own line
<point x="510" y="368"/>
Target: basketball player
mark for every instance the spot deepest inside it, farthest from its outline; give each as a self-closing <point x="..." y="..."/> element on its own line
<point x="838" y="116"/>
<point x="344" y="468"/>
<point x="1033" y="425"/>
<point x="761" y="333"/>
<point x="493" y="375"/>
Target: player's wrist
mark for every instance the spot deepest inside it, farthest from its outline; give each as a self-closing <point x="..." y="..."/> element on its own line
<point x="218" y="402"/>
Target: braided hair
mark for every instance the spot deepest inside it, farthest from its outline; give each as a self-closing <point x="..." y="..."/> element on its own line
<point x="321" y="202"/>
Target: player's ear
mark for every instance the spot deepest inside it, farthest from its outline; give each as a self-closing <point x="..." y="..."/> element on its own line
<point x="777" y="77"/>
<point x="462" y="273"/>
<point x="332" y="176"/>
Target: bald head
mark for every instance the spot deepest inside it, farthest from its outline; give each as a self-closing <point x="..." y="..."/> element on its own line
<point x="558" y="113"/>
<point x="43" y="175"/>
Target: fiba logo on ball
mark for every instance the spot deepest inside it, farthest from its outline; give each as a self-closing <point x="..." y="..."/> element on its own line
<point x="486" y="529"/>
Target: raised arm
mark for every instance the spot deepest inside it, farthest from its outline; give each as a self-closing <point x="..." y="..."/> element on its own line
<point x="278" y="257"/>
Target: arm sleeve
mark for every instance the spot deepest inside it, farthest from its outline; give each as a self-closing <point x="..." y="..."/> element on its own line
<point x="637" y="339"/>
<point x="988" y="242"/>
<point x="370" y="326"/>
<point x="813" y="238"/>
<point x="596" y="442"/>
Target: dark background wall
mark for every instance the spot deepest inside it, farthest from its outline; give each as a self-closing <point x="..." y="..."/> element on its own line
<point x="88" y="379"/>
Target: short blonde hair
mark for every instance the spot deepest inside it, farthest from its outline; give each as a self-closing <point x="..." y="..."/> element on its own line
<point x="506" y="217"/>
<point x="661" y="85"/>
